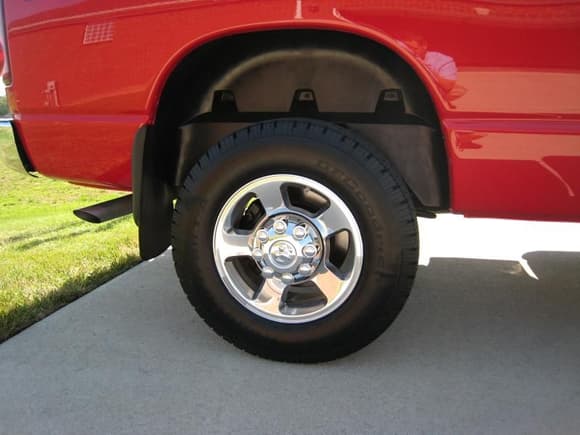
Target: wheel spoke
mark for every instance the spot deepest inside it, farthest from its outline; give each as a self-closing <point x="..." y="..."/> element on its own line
<point x="231" y="244"/>
<point x="270" y="195"/>
<point x="269" y="297"/>
<point x="333" y="220"/>
<point x="329" y="283"/>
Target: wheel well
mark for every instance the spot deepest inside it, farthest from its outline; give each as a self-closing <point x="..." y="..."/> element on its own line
<point x="262" y="73"/>
<point x="347" y="73"/>
<point x="189" y="89"/>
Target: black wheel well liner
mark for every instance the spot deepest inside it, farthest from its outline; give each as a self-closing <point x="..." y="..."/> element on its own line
<point x="263" y="72"/>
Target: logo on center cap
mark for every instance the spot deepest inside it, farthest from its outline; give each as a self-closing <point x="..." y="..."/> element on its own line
<point x="283" y="253"/>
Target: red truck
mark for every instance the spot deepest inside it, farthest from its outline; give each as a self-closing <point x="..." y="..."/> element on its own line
<point x="285" y="148"/>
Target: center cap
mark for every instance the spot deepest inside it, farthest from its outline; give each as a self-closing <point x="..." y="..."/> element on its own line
<point x="282" y="254"/>
<point x="287" y="247"/>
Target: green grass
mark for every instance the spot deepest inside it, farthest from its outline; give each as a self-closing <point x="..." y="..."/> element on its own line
<point x="48" y="257"/>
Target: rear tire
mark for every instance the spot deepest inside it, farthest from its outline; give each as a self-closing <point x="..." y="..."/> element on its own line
<point x="313" y="164"/>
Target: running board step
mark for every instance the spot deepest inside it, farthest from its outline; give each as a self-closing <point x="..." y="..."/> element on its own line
<point x="105" y="211"/>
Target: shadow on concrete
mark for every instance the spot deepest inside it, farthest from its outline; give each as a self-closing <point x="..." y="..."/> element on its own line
<point x="494" y="307"/>
<point x="481" y="347"/>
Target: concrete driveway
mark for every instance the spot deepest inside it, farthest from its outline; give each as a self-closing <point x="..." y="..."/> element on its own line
<point x="489" y="342"/>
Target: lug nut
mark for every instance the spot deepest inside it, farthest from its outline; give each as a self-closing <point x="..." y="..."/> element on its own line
<point x="299" y="232"/>
<point x="305" y="269"/>
<point x="257" y="254"/>
<point x="267" y="272"/>
<point x="309" y="251"/>
<point x="280" y="226"/>
<point x="287" y="278"/>
<point x="262" y="236"/>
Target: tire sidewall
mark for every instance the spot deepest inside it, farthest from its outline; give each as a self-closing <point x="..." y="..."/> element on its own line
<point x="357" y="180"/>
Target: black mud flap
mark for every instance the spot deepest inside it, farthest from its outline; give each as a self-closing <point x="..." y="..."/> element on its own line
<point x="152" y="196"/>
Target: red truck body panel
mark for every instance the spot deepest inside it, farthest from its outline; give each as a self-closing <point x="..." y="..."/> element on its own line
<point x="87" y="74"/>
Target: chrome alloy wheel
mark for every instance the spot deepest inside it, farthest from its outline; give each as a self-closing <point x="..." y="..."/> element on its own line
<point x="298" y="256"/>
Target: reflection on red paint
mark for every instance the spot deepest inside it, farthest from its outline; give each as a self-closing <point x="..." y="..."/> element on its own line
<point x="518" y="174"/>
